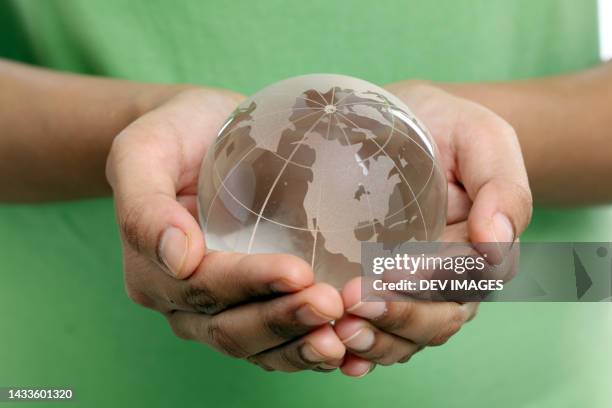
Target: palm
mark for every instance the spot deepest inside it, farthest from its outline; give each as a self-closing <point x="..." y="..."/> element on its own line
<point x="193" y="119"/>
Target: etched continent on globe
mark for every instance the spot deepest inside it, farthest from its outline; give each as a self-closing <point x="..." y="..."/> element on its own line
<point x="314" y="166"/>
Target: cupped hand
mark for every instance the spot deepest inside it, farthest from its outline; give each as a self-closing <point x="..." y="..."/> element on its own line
<point x="489" y="201"/>
<point x="264" y="308"/>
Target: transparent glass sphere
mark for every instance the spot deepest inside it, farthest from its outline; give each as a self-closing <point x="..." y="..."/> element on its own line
<point x="315" y="165"/>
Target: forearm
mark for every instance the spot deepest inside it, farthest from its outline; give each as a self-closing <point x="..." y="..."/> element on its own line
<point x="564" y="125"/>
<point x="56" y="129"/>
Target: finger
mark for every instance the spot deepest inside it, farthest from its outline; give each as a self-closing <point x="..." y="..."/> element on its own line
<point x="366" y="341"/>
<point x="459" y="204"/>
<point x="472" y="309"/>
<point x="355" y="366"/>
<point x="144" y="171"/>
<point x="252" y="328"/>
<point x="319" y="350"/>
<point x="190" y="202"/>
<point x="455" y="233"/>
<point x="422" y="322"/>
<point x="224" y="279"/>
<point x="493" y="173"/>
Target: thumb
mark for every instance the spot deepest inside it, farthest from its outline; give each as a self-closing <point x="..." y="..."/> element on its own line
<point x="493" y="173"/>
<point x="500" y="213"/>
<point x="150" y="218"/>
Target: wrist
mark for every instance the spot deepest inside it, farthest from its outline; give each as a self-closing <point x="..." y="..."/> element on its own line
<point x="152" y="96"/>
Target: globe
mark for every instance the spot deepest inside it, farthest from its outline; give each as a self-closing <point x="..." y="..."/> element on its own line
<point x="315" y="166"/>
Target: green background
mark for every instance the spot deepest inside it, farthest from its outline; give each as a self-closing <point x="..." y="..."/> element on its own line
<point x="66" y="320"/>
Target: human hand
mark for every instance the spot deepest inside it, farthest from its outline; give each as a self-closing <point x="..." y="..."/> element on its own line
<point x="489" y="201"/>
<point x="264" y="308"/>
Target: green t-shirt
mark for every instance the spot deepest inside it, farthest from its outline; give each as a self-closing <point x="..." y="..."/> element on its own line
<point x="66" y="319"/>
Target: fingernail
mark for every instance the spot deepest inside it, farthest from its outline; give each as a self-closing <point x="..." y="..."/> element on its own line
<point x="368" y="310"/>
<point x="361" y="340"/>
<point x="309" y="316"/>
<point x="368" y="371"/>
<point x="502" y="228"/>
<point x="310" y="354"/>
<point x="173" y="249"/>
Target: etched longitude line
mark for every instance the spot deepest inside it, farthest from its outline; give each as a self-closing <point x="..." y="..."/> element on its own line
<point x="433" y="163"/>
<point x="280" y="224"/>
<point x="224" y="179"/>
<point x="389" y="108"/>
<point x="431" y="171"/>
<point x="393" y="128"/>
<point x="227" y="176"/>
<point x="386" y="141"/>
<point x="352" y="92"/>
<point x="318" y="110"/>
<point x="372" y="223"/>
<point x="311" y="100"/>
<point x="403" y="178"/>
<point x="370" y="211"/>
<point x="316" y="227"/>
<point x="280" y="173"/>
<point x="322" y="98"/>
<point x="429" y="154"/>
<point x="317" y="212"/>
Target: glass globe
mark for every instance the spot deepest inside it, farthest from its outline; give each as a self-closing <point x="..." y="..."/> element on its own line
<point x="316" y="165"/>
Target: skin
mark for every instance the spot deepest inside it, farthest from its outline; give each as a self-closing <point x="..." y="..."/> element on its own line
<point x="71" y="136"/>
<point x="564" y="127"/>
<point x="56" y="129"/>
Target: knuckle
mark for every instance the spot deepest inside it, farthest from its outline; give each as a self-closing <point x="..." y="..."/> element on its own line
<point x="130" y="226"/>
<point x="179" y="331"/>
<point x="405" y="358"/>
<point x="386" y="360"/>
<point x="295" y="270"/>
<point x="452" y="326"/>
<point x="259" y="363"/>
<point x="140" y="298"/>
<point x="398" y="316"/>
<point x="382" y="351"/>
<point x="278" y="322"/>
<point x="202" y="299"/>
<point x="409" y="355"/>
<point x="295" y="360"/>
<point x="220" y="339"/>
<point x="380" y="355"/>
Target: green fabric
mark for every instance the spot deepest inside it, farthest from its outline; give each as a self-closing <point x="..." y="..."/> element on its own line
<point x="66" y="320"/>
